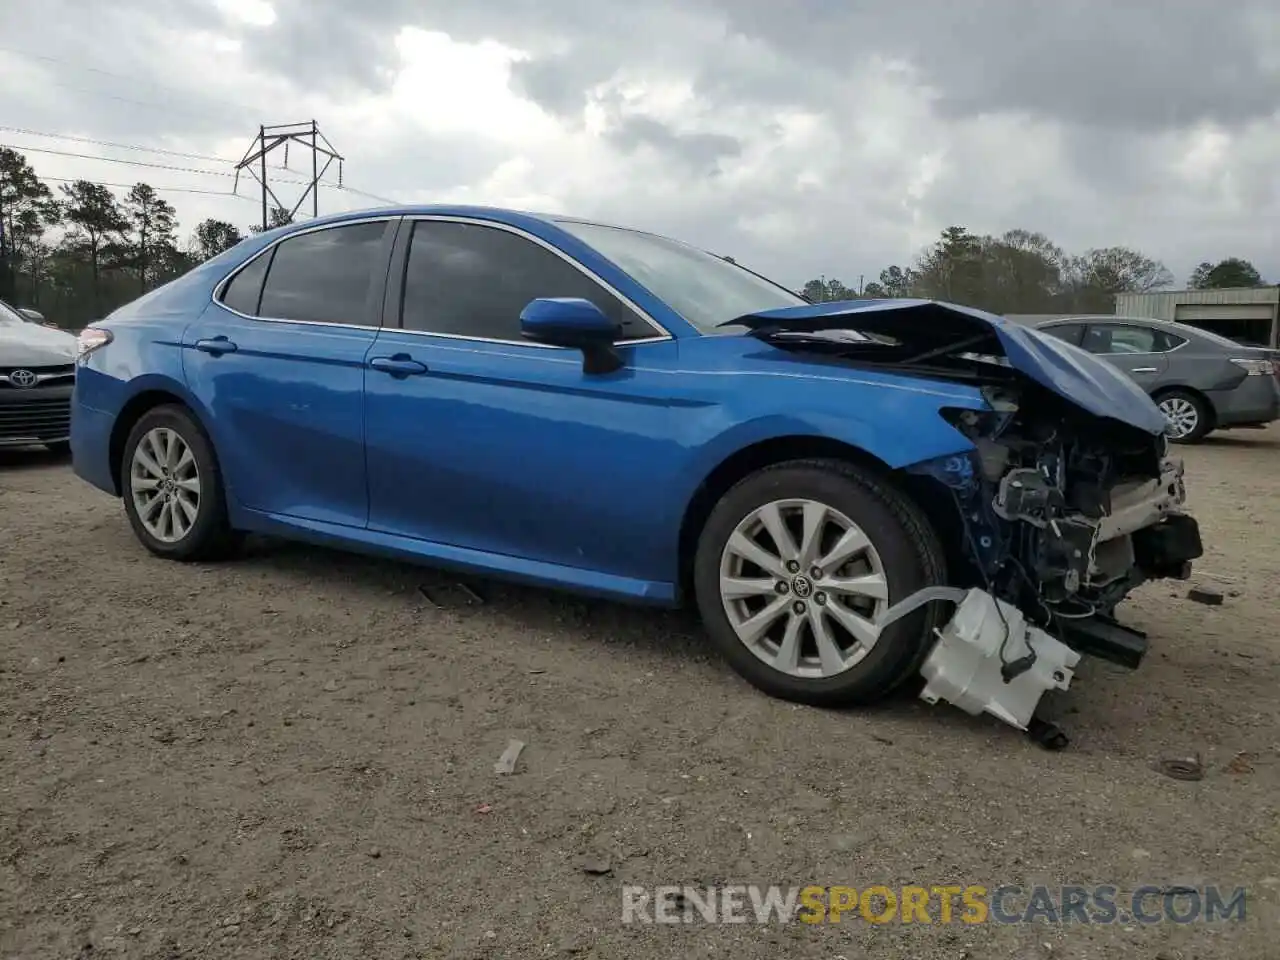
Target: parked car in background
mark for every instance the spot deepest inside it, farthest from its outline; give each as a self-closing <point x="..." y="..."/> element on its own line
<point x="37" y="373"/>
<point x="608" y="411"/>
<point x="30" y="314"/>
<point x="1201" y="381"/>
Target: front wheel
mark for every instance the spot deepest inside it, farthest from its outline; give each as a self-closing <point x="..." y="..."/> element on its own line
<point x="172" y="488"/>
<point x="793" y="567"/>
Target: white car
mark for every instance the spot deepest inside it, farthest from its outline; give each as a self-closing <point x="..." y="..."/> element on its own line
<point x="37" y="374"/>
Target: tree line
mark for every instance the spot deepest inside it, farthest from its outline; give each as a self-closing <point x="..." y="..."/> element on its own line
<point x="1022" y="271"/>
<point x="78" y="253"/>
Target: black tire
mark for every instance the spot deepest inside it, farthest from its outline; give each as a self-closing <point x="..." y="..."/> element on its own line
<point x="210" y="536"/>
<point x="1204" y="415"/>
<point x="59" y="448"/>
<point x="909" y="551"/>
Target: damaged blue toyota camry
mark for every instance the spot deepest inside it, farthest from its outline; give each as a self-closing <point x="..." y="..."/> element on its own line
<point x="855" y="495"/>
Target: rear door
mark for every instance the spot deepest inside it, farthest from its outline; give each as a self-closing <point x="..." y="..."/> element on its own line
<point x="278" y="361"/>
<point x="1140" y="351"/>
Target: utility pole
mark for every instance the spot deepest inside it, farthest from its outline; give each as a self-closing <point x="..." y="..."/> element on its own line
<point x="272" y="136"/>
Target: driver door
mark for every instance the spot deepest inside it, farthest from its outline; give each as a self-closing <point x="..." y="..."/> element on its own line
<point x="480" y="440"/>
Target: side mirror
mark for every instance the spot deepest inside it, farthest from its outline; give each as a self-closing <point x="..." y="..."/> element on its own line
<point x="30" y="314"/>
<point x="576" y="323"/>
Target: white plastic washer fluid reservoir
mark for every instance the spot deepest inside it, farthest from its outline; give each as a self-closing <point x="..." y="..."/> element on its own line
<point x="964" y="666"/>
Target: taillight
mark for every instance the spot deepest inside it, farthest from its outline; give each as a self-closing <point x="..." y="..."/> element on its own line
<point x="89" y="340"/>
<point x="1256" y="368"/>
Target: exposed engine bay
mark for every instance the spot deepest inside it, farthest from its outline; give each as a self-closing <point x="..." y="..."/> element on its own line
<point x="1060" y="519"/>
<point x="1053" y="518"/>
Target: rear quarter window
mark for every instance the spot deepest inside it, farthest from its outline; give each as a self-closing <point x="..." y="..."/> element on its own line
<point x="244" y="292"/>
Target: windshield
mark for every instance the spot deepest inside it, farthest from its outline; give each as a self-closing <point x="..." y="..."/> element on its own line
<point x="704" y="289"/>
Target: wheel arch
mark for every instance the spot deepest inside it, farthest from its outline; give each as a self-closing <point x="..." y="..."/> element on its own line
<point x="134" y="410"/>
<point x="746" y="461"/>
<point x="1167" y="388"/>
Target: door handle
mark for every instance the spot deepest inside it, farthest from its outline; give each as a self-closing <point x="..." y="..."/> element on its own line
<point x="1145" y="370"/>
<point x="216" y="346"/>
<point x="400" y="365"/>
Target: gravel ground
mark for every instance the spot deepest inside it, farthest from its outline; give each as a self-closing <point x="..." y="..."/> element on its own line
<point x="292" y="755"/>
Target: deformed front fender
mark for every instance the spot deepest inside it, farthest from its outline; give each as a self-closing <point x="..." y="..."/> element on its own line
<point x="897" y="427"/>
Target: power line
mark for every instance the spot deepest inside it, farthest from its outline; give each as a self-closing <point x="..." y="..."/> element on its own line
<point x="362" y="193"/>
<point x="211" y="193"/>
<point x="121" y="76"/>
<point x="132" y="163"/>
<point x="105" y="183"/>
<point x="159" y="166"/>
<point x="121" y="146"/>
<point x="26" y="131"/>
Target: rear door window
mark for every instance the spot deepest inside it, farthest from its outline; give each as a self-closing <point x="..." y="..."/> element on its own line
<point x="1070" y="332"/>
<point x="325" y="276"/>
<point x="1121" y="338"/>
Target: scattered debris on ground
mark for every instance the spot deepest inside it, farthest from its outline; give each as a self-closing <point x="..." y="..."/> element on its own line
<point x="1182" y="768"/>
<point x="507" y="762"/>
<point x="1240" y="763"/>
<point x="445" y="594"/>
<point x="131" y="802"/>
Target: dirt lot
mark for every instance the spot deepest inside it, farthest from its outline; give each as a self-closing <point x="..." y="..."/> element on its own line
<point x="293" y="756"/>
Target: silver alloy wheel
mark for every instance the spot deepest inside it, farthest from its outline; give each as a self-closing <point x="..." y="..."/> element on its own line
<point x="164" y="482"/>
<point x="802" y="586"/>
<point x="1182" y="416"/>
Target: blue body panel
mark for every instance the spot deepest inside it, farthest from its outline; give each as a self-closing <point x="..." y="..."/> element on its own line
<point x="287" y="413"/>
<point x="505" y="458"/>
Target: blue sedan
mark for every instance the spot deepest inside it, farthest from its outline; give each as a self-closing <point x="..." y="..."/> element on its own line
<point x="851" y="493"/>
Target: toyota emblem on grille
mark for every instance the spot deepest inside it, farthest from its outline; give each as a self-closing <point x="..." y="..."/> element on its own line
<point x="22" y="378"/>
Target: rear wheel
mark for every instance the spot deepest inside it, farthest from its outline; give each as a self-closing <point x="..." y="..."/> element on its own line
<point x="793" y="567"/>
<point x="1188" y="416"/>
<point x="172" y="488"/>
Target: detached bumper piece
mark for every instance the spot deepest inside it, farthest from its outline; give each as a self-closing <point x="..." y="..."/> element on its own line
<point x="1106" y="639"/>
<point x="988" y="659"/>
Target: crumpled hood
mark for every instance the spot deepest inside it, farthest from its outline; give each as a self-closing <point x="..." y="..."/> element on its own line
<point x="1074" y="374"/>
<point x="32" y="345"/>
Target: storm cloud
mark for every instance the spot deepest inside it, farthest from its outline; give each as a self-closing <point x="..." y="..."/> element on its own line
<point x="810" y="137"/>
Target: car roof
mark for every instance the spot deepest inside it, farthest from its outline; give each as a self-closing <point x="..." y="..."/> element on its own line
<point x="509" y="215"/>
<point x="1171" y="326"/>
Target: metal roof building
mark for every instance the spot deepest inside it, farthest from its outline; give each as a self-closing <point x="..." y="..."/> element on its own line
<point x="1246" y="314"/>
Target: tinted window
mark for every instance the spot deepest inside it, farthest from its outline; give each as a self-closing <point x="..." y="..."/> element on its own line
<point x="245" y="289"/>
<point x="323" y="276"/>
<point x="1123" y="338"/>
<point x="1069" y="332"/>
<point x="474" y="281"/>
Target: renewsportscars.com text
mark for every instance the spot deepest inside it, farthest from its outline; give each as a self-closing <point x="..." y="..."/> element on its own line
<point x="937" y="904"/>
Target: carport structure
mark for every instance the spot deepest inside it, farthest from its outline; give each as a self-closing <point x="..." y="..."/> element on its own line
<point x="1245" y="314"/>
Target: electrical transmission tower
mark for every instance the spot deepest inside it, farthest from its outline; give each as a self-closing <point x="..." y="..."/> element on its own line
<point x="273" y="136"/>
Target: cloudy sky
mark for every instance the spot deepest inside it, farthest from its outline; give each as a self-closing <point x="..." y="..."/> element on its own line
<point x="801" y="137"/>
